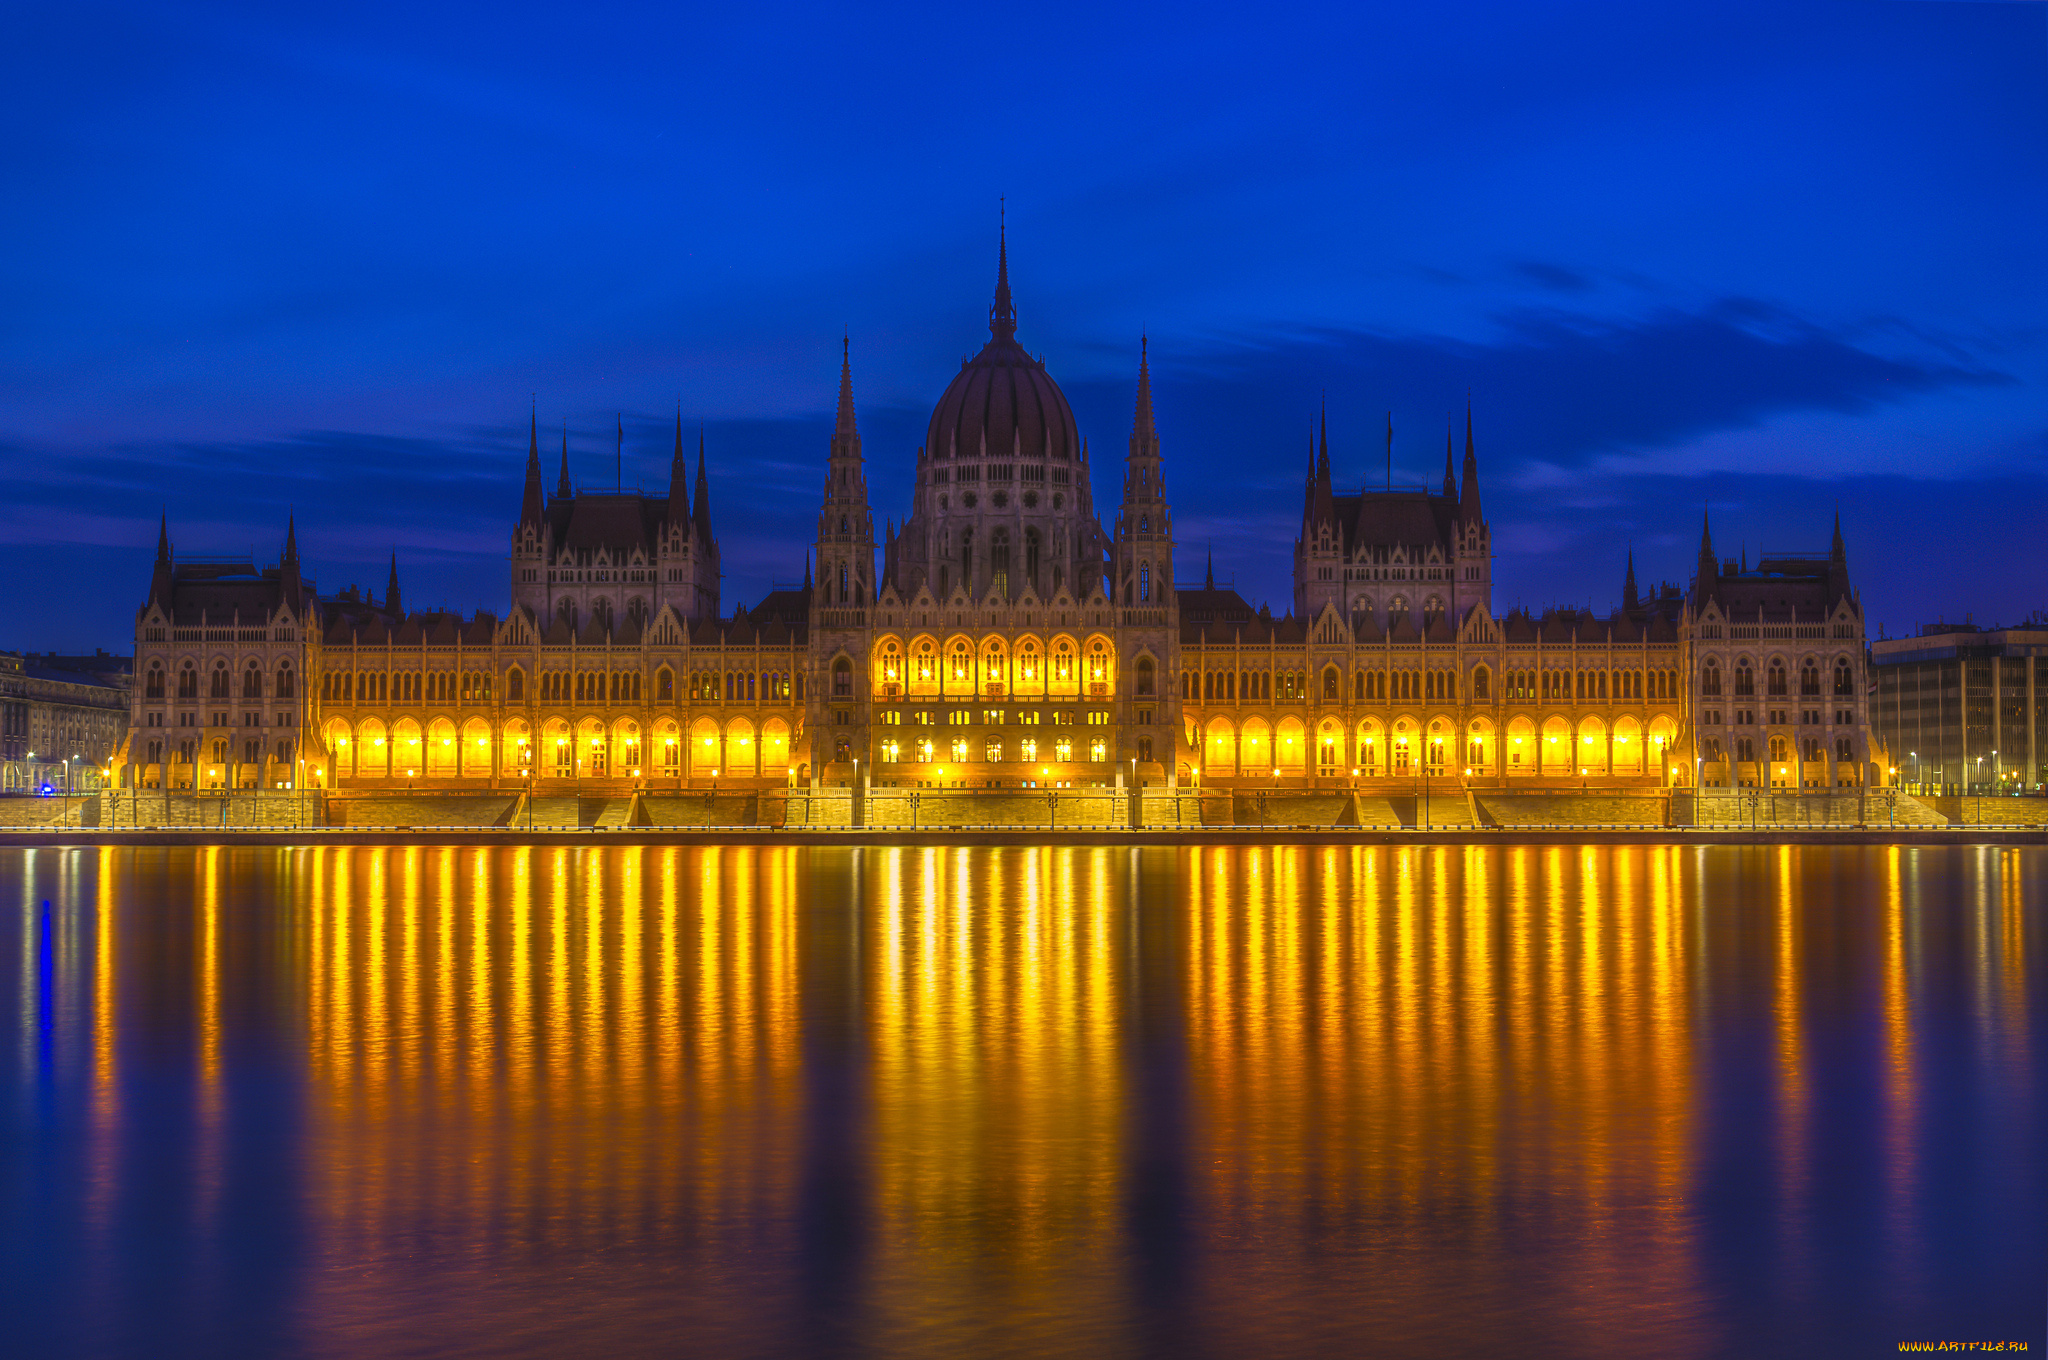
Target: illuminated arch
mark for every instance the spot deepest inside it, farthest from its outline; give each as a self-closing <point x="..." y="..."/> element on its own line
<point x="1558" y="753"/>
<point x="1028" y="674"/>
<point x="1591" y="752"/>
<point x="516" y="754"/>
<point x="593" y="750"/>
<point x="407" y="753"/>
<point x="1519" y="753"/>
<point x="440" y="757"/>
<point x="473" y="750"/>
<point x="1219" y="747"/>
<point x="1629" y="748"/>
<point x="1255" y="747"/>
<point x="1290" y="745"/>
<point x="774" y="747"/>
<point x="341" y="747"/>
<point x="665" y="749"/>
<point x="1371" y="756"/>
<point x="705" y="750"/>
<point x="627" y="752"/>
<point x="888" y="667"/>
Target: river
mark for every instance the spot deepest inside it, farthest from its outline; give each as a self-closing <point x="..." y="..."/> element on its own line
<point x="1444" y="1101"/>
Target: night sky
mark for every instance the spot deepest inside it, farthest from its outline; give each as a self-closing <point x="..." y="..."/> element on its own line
<point x="1776" y="259"/>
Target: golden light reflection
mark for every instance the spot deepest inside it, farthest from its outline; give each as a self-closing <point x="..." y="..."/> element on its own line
<point x="663" y="1057"/>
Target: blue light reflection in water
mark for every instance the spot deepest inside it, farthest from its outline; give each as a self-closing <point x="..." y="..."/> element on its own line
<point x="1448" y="1100"/>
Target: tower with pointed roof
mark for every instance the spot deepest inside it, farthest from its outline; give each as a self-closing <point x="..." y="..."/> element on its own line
<point x="620" y="557"/>
<point x="1319" y="550"/>
<point x="1473" y="570"/>
<point x="1141" y="576"/>
<point x="846" y="528"/>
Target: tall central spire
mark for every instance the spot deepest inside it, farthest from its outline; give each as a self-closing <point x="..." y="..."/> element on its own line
<point x="1002" y="317"/>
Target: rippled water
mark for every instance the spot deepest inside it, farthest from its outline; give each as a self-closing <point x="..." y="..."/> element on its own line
<point x="1445" y="1101"/>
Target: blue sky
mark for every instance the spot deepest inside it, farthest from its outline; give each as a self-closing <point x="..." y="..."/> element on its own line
<point x="1773" y="258"/>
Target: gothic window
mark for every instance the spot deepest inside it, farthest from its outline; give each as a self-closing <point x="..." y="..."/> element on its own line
<point x="1144" y="681"/>
<point x="1710" y="679"/>
<point x="664" y="684"/>
<point x="1144" y="524"/>
<point x="1809" y="679"/>
<point x="844" y="592"/>
<point x="1031" y="557"/>
<point x="999" y="562"/>
<point x="1842" y="680"/>
<point x="842" y="678"/>
<point x="220" y="680"/>
<point x="843" y="525"/>
<point x="1144" y="582"/>
<point x="1776" y="678"/>
<point x="1745" y="679"/>
<point x="1482" y="682"/>
<point x="153" y="685"/>
<point x="515" y="685"/>
<point x="252" y="682"/>
<point x="285" y="688"/>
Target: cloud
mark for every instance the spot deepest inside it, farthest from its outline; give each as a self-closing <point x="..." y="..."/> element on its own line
<point x="1554" y="277"/>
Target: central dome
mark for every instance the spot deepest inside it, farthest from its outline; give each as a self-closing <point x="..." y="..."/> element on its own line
<point x="1002" y="402"/>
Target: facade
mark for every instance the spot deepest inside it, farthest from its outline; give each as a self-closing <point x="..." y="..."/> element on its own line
<point x="221" y="658"/>
<point x="1002" y="635"/>
<point x="1964" y="709"/>
<point x="1782" y="683"/>
<point x="62" y="720"/>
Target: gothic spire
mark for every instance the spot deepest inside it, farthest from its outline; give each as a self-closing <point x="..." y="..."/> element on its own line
<point x="160" y="578"/>
<point x="1144" y="440"/>
<point x="1002" y="317"/>
<point x="530" y="505"/>
<point x="702" y="497"/>
<point x="1628" y="582"/>
<point x="679" y="477"/>
<point x="392" y="605"/>
<point x="1209" y="569"/>
<point x="291" y="538"/>
<point x="1468" y="504"/>
<point x="1323" y="457"/>
<point x="562" y="487"/>
<point x="846" y="429"/>
<point x="1707" y="572"/>
<point x="288" y="565"/>
<point x="1450" y="482"/>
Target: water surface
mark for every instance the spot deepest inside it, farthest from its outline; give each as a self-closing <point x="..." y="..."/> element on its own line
<point x="1221" y="1101"/>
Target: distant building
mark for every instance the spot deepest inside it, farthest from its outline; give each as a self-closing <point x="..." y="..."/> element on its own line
<point x="1963" y="707"/>
<point x="62" y="719"/>
<point x="1004" y="634"/>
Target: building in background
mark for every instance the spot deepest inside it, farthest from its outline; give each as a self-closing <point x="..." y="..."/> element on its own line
<point x="1964" y="708"/>
<point x="63" y="720"/>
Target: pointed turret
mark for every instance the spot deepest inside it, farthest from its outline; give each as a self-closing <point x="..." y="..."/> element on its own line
<point x="679" y="478"/>
<point x="845" y="428"/>
<point x="1002" y="316"/>
<point x="1323" y="452"/>
<point x="1142" y="566"/>
<point x="1838" y="564"/>
<point x="1468" y="501"/>
<point x="392" y="603"/>
<point x="1628" y="583"/>
<point x="1143" y="434"/>
<point x="291" y="583"/>
<point x="1708" y="570"/>
<point x="531" y="507"/>
<point x="160" y="578"/>
<point x="1209" y="569"/>
<point x="562" y="487"/>
<point x="701" y="513"/>
<point x="1450" y="436"/>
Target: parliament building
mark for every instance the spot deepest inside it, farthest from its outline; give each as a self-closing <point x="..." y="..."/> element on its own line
<point x="1005" y="634"/>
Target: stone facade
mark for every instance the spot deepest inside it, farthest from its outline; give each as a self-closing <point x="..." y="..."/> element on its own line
<point x="1000" y="639"/>
<point x="62" y="720"/>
